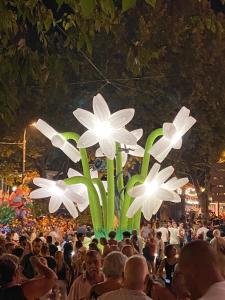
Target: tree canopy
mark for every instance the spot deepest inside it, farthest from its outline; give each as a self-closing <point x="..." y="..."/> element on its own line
<point x="152" y="55"/>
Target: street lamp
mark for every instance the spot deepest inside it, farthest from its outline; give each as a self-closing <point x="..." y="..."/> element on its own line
<point x="25" y="148"/>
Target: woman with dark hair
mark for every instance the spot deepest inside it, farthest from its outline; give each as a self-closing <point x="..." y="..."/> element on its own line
<point x="29" y="290"/>
<point x="62" y="271"/>
<point x="168" y="264"/>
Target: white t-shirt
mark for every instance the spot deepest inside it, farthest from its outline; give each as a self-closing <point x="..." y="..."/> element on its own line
<point x="124" y="294"/>
<point x="215" y="292"/>
<point x="165" y="234"/>
<point x="203" y="231"/>
<point x="174" y="239"/>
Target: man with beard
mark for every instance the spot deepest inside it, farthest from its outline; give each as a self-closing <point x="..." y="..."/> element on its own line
<point x="81" y="287"/>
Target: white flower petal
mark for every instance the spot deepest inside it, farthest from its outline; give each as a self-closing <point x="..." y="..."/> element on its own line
<point x="148" y="208"/>
<point x="108" y="147"/>
<point x="74" y="197"/>
<point x="188" y="124"/>
<point x="137" y="133"/>
<point x="153" y="172"/>
<point x="43" y="182"/>
<point x="71" y="152"/>
<point x="124" y="158"/>
<point x="45" y="129"/>
<point x="161" y="156"/>
<point x="139" y="151"/>
<point x="134" y="207"/>
<point x="137" y="191"/>
<point x="175" y="183"/>
<point x="105" y="183"/>
<point x="181" y="117"/>
<point x="82" y="206"/>
<point x="54" y="204"/>
<point x="178" y="144"/>
<point x="123" y="136"/>
<point x="120" y="118"/>
<point x="161" y="146"/>
<point x="99" y="194"/>
<point x="100" y="108"/>
<point x="157" y="206"/>
<point x="164" y="195"/>
<point x="72" y="173"/>
<point x="85" y="117"/>
<point x="176" y="198"/>
<point x="87" y="139"/>
<point x="169" y="130"/>
<point x="164" y="174"/>
<point x="40" y="193"/>
<point x="69" y="205"/>
<point x="98" y="153"/>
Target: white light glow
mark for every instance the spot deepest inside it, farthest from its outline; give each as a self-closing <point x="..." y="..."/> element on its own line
<point x="14" y="188"/>
<point x="103" y="130"/>
<point x="151" y="187"/>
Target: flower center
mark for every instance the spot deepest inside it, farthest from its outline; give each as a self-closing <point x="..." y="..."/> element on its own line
<point x="151" y="187"/>
<point x="103" y="129"/>
<point x="176" y="137"/>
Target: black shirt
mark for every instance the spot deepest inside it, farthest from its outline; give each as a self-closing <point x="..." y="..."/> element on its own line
<point x="52" y="249"/>
<point x="28" y="269"/>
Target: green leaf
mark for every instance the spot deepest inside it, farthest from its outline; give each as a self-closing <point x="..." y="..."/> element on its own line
<point x="108" y="7"/>
<point x="127" y="4"/>
<point x="87" y="7"/>
<point x="151" y="2"/>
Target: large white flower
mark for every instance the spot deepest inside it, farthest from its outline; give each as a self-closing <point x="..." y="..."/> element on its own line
<point x="59" y="193"/>
<point x="81" y="189"/>
<point x="58" y="140"/>
<point x="155" y="189"/>
<point x="105" y="128"/>
<point x="172" y="134"/>
<point x="134" y="150"/>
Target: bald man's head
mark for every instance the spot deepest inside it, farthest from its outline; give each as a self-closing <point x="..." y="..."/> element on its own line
<point x="200" y="267"/>
<point x="136" y="273"/>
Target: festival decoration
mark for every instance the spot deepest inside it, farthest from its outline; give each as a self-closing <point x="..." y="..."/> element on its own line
<point x="143" y="192"/>
<point x="172" y="134"/>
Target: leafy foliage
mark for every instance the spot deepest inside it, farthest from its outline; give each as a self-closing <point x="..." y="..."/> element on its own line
<point x="7" y="213"/>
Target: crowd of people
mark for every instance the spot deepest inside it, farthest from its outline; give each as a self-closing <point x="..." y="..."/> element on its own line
<point x="164" y="261"/>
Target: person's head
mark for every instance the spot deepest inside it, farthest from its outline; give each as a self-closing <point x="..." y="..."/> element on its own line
<point x="159" y="235"/>
<point x="80" y="236"/>
<point x="23" y="241"/>
<point x="49" y="239"/>
<point x="78" y="245"/>
<point x="216" y="233"/>
<point x="93" y="246"/>
<point x="170" y="251"/>
<point x="136" y="273"/>
<point x="112" y="235"/>
<point x="8" y="271"/>
<point x="174" y="225"/>
<point x="92" y="263"/>
<point x="103" y="241"/>
<point x="9" y="247"/>
<point x="113" y="265"/>
<point x="95" y="241"/>
<point x="44" y="250"/>
<point x="200" y="267"/>
<point x="126" y="235"/>
<point x="59" y="257"/>
<point x="127" y="242"/>
<point x="205" y="223"/>
<point x="36" y="246"/>
<point x="128" y="250"/>
<point x="134" y="233"/>
<point x="181" y="225"/>
<point x="18" y="251"/>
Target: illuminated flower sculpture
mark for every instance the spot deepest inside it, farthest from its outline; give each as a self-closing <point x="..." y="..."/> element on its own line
<point x="149" y="195"/>
<point x="172" y="134"/>
<point x="144" y="192"/>
<point x="59" y="193"/>
<point x="105" y="128"/>
<point x="58" y="140"/>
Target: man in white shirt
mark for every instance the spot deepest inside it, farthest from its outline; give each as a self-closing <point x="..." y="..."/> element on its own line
<point x="135" y="279"/>
<point x="200" y="267"/>
<point x="165" y="233"/>
<point x="203" y="231"/>
<point x="174" y="235"/>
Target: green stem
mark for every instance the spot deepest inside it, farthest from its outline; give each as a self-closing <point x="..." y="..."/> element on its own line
<point x="123" y="218"/>
<point x="111" y="194"/>
<point x="93" y="199"/>
<point x="95" y="207"/>
<point x="119" y="173"/>
<point x="144" y="168"/>
<point x="100" y="185"/>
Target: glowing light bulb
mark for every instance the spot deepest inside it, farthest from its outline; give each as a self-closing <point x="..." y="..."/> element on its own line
<point x="103" y="129"/>
<point x="177" y="136"/>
